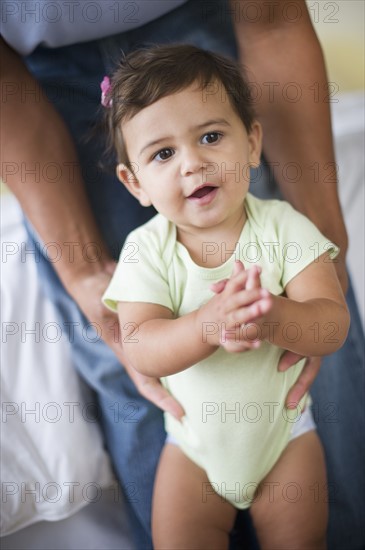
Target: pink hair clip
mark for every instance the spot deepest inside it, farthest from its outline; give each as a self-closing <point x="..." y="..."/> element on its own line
<point x="105" y="92"/>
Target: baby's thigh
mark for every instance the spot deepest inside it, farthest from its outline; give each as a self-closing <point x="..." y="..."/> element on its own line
<point x="290" y="509"/>
<point x="182" y="517"/>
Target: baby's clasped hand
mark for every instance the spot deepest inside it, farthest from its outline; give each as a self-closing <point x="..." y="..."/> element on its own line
<point x="240" y="301"/>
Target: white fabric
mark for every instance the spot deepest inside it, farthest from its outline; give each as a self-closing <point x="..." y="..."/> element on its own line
<point x="103" y="525"/>
<point x="305" y="423"/>
<point x="49" y="440"/>
<point x="25" y="24"/>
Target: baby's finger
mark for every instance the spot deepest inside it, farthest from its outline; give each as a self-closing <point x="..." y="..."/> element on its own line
<point x="237" y="281"/>
<point x="244" y="298"/>
<point x="233" y="346"/>
<point x="219" y="286"/>
<point x="248" y="332"/>
<point x="237" y="268"/>
<point x="253" y="279"/>
<point x="250" y="313"/>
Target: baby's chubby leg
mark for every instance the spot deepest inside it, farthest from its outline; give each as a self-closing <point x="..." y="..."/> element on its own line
<point x="290" y="509"/>
<point x="181" y="517"/>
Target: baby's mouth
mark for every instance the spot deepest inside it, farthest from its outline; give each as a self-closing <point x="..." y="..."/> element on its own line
<point x="202" y="192"/>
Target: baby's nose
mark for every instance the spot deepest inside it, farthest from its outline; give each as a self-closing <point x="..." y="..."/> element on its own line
<point x="191" y="162"/>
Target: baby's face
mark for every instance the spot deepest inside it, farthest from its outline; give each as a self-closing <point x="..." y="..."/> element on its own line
<point x="192" y="158"/>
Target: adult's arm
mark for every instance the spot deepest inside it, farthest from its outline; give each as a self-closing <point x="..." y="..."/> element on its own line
<point x="279" y="47"/>
<point x="34" y="135"/>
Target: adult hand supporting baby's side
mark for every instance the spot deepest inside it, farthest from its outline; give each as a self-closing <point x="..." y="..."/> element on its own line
<point x="305" y="379"/>
<point x="87" y="292"/>
<point x="288" y="358"/>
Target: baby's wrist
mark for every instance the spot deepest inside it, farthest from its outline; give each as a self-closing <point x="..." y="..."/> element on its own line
<point x="270" y="320"/>
<point x="207" y="327"/>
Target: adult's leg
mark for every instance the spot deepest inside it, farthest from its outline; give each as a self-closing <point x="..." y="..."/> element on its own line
<point x="338" y="395"/>
<point x="132" y="426"/>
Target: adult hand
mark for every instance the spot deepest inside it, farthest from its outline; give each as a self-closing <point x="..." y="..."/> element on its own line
<point x="340" y="265"/>
<point x="87" y="292"/>
<point x="306" y="377"/>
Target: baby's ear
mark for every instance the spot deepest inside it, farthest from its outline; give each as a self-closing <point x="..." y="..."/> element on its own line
<point x="130" y="181"/>
<point x="255" y="144"/>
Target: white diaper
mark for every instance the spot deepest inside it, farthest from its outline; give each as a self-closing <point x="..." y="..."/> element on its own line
<point x="305" y="423"/>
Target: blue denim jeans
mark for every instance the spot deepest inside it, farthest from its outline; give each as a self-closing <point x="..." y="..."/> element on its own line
<point x="133" y="427"/>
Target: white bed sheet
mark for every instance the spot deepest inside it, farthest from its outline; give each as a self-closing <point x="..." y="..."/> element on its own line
<point x="53" y="461"/>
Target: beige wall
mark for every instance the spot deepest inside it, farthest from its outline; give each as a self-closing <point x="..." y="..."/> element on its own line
<point x="340" y="27"/>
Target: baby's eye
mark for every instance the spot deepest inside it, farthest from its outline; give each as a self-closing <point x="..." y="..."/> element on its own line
<point x="164" y="154"/>
<point x="211" y="137"/>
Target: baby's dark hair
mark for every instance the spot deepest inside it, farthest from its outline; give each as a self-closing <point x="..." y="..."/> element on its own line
<point x="149" y="74"/>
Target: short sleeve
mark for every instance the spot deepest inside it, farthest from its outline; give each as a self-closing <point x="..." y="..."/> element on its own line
<point x="141" y="275"/>
<point x="301" y="242"/>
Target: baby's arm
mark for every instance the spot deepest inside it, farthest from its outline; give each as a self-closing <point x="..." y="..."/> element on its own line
<point x="312" y="319"/>
<point x="157" y="344"/>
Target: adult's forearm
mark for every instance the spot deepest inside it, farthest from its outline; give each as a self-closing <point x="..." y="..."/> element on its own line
<point x="34" y="138"/>
<point x="285" y="64"/>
